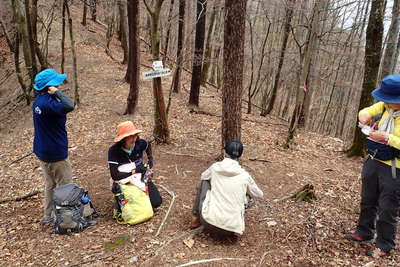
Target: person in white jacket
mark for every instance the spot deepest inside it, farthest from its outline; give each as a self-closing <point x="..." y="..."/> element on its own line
<point x="221" y="195"/>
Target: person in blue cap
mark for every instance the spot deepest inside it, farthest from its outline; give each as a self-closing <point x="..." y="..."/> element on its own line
<point x="50" y="143"/>
<point x="380" y="195"/>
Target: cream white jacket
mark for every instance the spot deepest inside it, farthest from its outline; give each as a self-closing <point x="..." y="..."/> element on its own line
<point x="223" y="206"/>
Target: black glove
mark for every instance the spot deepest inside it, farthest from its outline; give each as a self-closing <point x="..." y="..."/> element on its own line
<point x="140" y="168"/>
<point x="150" y="163"/>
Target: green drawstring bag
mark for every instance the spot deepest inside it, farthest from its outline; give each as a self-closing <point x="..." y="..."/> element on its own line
<point x="137" y="207"/>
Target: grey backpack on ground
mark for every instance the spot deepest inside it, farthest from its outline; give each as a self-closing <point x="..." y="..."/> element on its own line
<point x="71" y="213"/>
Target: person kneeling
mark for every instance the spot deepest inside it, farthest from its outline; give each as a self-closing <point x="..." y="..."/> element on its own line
<point x="221" y="195"/>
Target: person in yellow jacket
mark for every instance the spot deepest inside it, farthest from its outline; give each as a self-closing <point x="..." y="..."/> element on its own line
<point x="380" y="195"/>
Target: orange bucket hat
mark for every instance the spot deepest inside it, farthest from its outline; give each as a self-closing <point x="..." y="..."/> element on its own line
<point x="125" y="129"/>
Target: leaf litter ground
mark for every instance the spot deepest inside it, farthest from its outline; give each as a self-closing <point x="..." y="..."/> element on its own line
<point x="278" y="232"/>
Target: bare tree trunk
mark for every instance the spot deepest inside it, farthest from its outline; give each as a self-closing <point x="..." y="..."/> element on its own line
<point x="123" y="30"/>
<point x="161" y="131"/>
<point x="134" y="56"/>
<point x="32" y="43"/>
<point x="198" y="53"/>
<point x="396" y="55"/>
<point x="24" y="30"/>
<point x="74" y="59"/>
<point x="14" y="48"/>
<point x="373" y="48"/>
<point x="179" y="52"/>
<point x="93" y="9"/>
<point x="171" y="7"/>
<point x="288" y="19"/>
<point x="84" y="14"/>
<point x="234" y="35"/>
<point x="393" y="35"/>
<point x="63" y="39"/>
<point x="207" y="53"/>
<point x="110" y="28"/>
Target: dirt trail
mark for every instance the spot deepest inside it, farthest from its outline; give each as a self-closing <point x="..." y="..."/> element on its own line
<point x="278" y="233"/>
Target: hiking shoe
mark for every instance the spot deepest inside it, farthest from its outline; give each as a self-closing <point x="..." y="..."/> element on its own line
<point x="357" y="238"/>
<point x="377" y="252"/>
<point x="47" y="222"/>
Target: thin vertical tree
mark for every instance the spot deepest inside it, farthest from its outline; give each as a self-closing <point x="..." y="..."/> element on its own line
<point x="167" y="37"/>
<point x="160" y="131"/>
<point x="84" y="13"/>
<point x="234" y="36"/>
<point x="179" y="52"/>
<point x="74" y="58"/>
<point x="288" y="19"/>
<point x="134" y="56"/>
<point x="208" y="47"/>
<point x="391" y="45"/>
<point x="373" y="47"/>
<point x="123" y="29"/>
<point x="201" y="8"/>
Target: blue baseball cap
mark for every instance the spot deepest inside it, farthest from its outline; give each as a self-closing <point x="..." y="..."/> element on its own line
<point x="389" y="92"/>
<point x="48" y="77"/>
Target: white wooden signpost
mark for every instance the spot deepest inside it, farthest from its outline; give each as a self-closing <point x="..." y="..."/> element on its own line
<point x="158" y="71"/>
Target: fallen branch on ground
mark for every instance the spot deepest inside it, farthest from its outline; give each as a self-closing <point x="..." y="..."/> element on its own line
<point x="20" y="158"/>
<point x="182" y="236"/>
<point x="18" y="198"/>
<point x="183" y="155"/>
<point x="172" y="194"/>
<point x="261" y="160"/>
<point x="210" y="260"/>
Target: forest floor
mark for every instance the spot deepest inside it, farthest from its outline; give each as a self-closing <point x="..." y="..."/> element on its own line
<point x="278" y="232"/>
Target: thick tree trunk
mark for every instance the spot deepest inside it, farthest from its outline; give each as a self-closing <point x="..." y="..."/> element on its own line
<point x="373" y="48"/>
<point x="198" y="53"/>
<point x="161" y="131"/>
<point x="134" y="56"/>
<point x="234" y="36"/>
<point x="25" y="34"/>
<point x="179" y="52"/>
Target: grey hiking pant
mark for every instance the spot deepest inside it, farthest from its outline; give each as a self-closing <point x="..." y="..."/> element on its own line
<point x="55" y="174"/>
<point x="380" y="201"/>
<point x="202" y="189"/>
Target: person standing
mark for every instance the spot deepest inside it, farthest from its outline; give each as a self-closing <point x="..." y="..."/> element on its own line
<point x="380" y="193"/>
<point x="50" y="143"/>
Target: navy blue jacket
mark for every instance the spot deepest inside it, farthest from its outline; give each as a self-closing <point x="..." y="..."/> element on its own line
<point x="117" y="157"/>
<point x="50" y="143"/>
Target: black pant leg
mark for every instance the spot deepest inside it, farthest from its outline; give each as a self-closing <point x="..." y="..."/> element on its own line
<point x="202" y="189"/>
<point x="386" y="225"/>
<point x="369" y="199"/>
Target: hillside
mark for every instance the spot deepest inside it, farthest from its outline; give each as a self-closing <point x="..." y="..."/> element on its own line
<point x="278" y="232"/>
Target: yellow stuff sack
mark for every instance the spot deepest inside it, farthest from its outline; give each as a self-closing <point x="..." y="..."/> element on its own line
<point x="138" y="209"/>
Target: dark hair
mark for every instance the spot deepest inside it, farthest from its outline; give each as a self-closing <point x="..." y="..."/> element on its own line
<point x="234" y="149"/>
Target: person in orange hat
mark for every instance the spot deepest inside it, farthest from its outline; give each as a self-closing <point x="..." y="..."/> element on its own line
<point x="125" y="157"/>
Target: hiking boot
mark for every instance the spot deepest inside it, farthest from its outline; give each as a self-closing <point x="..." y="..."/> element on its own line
<point x="91" y="222"/>
<point x="357" y="238"/>
<point x="47" y="222"/>
<point x="195" y="223"/>
<point x="377" y="252"/>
